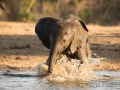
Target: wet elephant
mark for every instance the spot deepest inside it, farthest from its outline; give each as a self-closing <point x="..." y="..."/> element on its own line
<point x="67" y="36"/>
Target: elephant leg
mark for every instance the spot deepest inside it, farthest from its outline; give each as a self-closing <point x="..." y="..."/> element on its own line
<point x="52" y="61"/>
<point x="52" y="57"/>
<point x="82" y="54"/>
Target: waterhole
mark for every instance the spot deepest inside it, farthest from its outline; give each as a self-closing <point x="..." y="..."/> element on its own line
<point x="30" y="80"/>
<point x="67" y="75"/>
<point x="67" y="69"/>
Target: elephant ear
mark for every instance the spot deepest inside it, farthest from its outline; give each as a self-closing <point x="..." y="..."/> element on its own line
<point x="44" y="28"/>
<point x="76" y="42"/>
<point x="83" y="25"/>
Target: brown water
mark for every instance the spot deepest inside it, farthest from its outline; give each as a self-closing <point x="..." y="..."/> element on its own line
<point x="29" y="80"/>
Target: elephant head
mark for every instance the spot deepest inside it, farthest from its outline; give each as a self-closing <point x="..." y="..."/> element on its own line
<point x="63" y="36"/>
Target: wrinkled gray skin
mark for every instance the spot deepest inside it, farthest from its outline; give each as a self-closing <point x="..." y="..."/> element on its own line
<point x="67" y="36"/>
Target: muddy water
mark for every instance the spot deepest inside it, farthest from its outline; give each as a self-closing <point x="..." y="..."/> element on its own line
<point x="29" y="80"/>
<point x="67" y="75"/>
<point x="68" y="69"/>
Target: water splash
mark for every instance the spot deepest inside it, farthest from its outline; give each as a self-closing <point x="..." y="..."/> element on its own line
<point x="94" y="61"/>
<point x="68" y="69"/>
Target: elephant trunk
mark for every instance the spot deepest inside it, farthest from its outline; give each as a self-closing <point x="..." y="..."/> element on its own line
<point x="52" y="57"/>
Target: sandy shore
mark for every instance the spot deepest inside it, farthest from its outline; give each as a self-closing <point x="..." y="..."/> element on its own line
<point x="20" y="47"/>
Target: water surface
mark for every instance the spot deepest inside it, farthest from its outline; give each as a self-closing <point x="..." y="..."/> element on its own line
<point x="29" y="80"/>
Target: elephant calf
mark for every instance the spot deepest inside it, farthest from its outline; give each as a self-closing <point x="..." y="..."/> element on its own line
<point x="67" y="36"/>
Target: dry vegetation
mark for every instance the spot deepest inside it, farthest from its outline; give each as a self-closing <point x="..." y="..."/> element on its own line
<point x="104" y="12"/>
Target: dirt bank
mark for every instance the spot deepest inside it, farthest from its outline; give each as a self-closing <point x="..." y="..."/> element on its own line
<point x="20" y="48"/>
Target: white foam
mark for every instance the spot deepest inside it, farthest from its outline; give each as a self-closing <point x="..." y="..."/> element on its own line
<point x="42" y="69"/>
<point x="94" y="61"/>
<point x="68" y="69"/>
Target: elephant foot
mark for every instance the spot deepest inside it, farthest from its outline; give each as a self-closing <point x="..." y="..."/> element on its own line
<point x="49" y="71"/>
